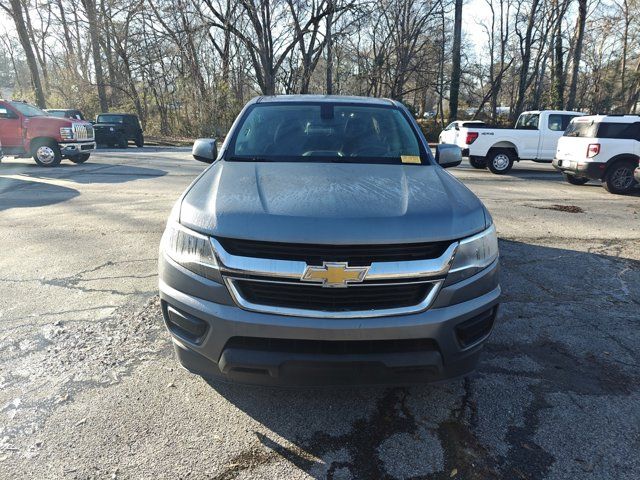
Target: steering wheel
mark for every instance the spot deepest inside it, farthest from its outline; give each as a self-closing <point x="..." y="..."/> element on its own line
<point x="371" y="151"/>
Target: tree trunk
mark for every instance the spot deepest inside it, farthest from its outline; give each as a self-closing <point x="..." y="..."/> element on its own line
<point x="23" y="35"/>
<point x="90" y="7"/>
<point x="454" y="90"/>
<point x="329" y="40"/>
<point x="577" y="54"/>
<point x="526" y="59"/>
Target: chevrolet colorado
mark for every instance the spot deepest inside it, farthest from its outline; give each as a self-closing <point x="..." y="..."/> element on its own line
<point x="326" y="245"/>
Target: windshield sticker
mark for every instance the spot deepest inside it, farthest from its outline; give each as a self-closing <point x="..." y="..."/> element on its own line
<point x="410" y="159"/>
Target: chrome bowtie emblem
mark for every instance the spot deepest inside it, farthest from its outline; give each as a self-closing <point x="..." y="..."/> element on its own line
<point x="334" y="274"/>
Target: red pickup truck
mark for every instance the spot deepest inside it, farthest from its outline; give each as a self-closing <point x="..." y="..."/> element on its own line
<point x="26" y="131"/>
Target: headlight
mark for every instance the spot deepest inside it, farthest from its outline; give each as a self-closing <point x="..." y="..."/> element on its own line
<point x="191" y="250"/>
<point x="66" y="133"/>
<point x="111" y="129"/>
<point x="473" y="254"/>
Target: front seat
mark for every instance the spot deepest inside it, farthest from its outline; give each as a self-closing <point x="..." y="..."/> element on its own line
<point x="360" y="137"/>
<point x="288" y="138"/>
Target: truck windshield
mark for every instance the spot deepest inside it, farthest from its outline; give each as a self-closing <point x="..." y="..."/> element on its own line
<point x="28" y="110"/>
<point x="528" y="121"/>
<point x="109" y="119"/>
<point x="311" y="132"/>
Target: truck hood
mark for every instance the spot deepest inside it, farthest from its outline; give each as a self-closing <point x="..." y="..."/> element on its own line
<point x="35" y="122"/>
<point x="331" y="203"/>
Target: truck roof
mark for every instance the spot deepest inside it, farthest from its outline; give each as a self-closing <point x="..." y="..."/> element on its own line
<point x="609" y="118"/>
<point x="324" y="99"/>
<point x="564" y="112"/>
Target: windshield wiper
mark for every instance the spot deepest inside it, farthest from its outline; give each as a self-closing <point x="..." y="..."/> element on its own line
<point x="250" y="159"/>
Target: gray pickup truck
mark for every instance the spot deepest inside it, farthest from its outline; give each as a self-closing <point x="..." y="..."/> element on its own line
<point x="326" y="245"/>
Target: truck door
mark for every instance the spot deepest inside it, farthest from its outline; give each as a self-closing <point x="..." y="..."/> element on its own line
<point x="553" y="128"/>
<point x="10" y="129"/>
<point x="528" y="135"/>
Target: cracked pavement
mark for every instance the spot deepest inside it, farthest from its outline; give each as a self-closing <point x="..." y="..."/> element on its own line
<point x="89" y="387"/>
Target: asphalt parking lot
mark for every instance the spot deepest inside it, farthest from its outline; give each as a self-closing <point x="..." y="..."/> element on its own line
<point x="89" y="387"/>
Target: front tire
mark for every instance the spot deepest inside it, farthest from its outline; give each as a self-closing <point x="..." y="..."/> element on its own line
<point x="478" y="162"/>
<point x="500" y="161"/>
<point x="619" y="178"/>
<point x="46" y="153"/>
<point x="140" y="141"/>
<point x="80" y="158"/>
<point x="573" y="180"/>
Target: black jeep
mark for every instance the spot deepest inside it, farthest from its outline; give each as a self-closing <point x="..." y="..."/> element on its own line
<point x="116" y="129"/>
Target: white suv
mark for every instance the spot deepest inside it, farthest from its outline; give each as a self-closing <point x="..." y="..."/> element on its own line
<point x="601" y="147"/>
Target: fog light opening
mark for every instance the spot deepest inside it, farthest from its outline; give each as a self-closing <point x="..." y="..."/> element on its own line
<point x="477" y="328"/>
<point x="184" y="325"/>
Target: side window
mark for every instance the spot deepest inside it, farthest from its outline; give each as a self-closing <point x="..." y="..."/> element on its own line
<point x="528" y="121"/>
<point x="450" y="127"/>
<point x="626" y="131"/>
<point x="6" y="113"/>
<point x="558" y="122"/>
<point x="555" y="123"/>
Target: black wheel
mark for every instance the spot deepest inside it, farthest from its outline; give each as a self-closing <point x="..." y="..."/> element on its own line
<point x="478" y="162"/>
<point x="140" y="141"/>
<point x="500" y="160"/>
<point x="619" y="177"/>
<point x="573" y="180"/>
<point x="46" y="153"/>
<point x="80" y="158"/>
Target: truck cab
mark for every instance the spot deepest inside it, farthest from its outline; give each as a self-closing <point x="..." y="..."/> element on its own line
<point x="26" y="130"/>
<point x="534" y="137"/>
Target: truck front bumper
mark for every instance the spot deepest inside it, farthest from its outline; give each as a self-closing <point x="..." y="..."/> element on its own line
<point x="76" y="148"/>
<point x="215" y="338"/>
<point x="580" y="168"/>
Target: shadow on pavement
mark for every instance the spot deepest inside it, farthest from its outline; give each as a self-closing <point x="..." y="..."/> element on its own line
<point x="23" y="194"/>
<point x="553" y="396"/>
<point x="97" y="173"/>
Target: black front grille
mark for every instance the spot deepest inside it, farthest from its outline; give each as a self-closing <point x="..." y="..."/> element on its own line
<point x="311" y="297"/>
<point x="332" y="347"/>
<point x="356" y="255"/>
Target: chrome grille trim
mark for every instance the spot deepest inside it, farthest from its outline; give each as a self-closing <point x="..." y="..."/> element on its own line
<point x="288" y="269"/>
<point x="82" y="131"/>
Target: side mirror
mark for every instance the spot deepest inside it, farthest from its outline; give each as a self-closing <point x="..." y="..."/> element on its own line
<point x="205" y="150"/>
<point x="448" y="155"/>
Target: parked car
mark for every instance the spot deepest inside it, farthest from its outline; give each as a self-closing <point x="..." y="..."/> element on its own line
<point x="26" y="130"/>
<point x="116" y="129"/>
<point x="326" y="244"/>
<point x="534" y="137"/>
<point x="601" y="147"/>
<point x="636" y="174"/>
<point x="66" y="113"/>
<point x="456" y="133"/>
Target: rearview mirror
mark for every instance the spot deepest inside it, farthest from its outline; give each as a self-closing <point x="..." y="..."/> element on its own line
<point x="205" y="150"/>
<point x="448" y="155"/>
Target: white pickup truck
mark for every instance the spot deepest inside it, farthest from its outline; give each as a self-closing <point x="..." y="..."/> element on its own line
<point x="535" y="137"/>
